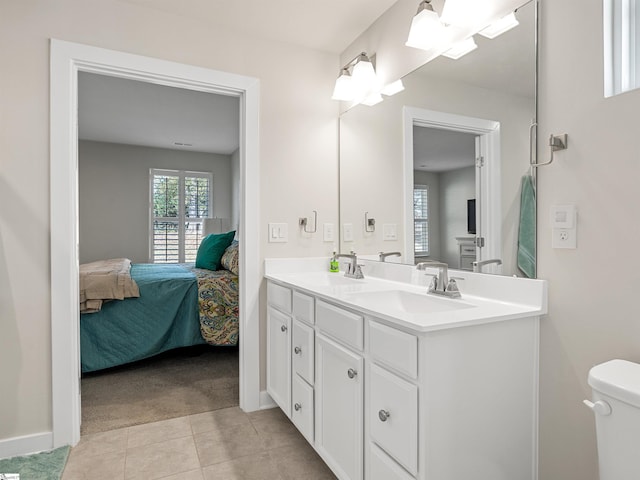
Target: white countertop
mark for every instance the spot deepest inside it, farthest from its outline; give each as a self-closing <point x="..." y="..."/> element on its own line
<point x="485" y="298"/>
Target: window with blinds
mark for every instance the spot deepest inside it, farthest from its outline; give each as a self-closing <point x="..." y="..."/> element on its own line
<point x="421" y="220"/>
<point x="180" y="200"/>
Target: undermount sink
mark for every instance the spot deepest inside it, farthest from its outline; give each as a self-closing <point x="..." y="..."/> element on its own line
<point x="407" y="302"/>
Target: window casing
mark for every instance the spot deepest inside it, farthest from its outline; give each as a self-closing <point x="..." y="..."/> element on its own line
<point x="621" y="50"/>
<point x="421" y="220"/>
<point x="179" y="201"/>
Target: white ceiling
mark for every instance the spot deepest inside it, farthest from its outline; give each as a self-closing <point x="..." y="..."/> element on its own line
<point x="124" y="111"/>
<point x="436" y="150"/>
<point x="328" y="25"/>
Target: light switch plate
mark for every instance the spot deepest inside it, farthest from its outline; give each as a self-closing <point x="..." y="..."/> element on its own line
<point x="389" y="231"/>
<point x="347" y="232"/>
<point x="327" y="230"/>
<point x="278" y="233"/>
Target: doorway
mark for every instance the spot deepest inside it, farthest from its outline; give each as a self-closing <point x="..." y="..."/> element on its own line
<point x="487" y="148"/>
<point x="67" y="60"/>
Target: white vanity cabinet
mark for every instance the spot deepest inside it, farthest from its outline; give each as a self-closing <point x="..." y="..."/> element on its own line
<point x="279" y="346"/>
<point x="340" y="390"/>
<point x="382" y="401"/>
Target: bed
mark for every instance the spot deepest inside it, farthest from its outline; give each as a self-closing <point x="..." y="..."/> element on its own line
<point x="179" y="305"/>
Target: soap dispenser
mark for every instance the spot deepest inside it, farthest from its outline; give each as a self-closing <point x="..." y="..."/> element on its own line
<point x="334" y="266"/>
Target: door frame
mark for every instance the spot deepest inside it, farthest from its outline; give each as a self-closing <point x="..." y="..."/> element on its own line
<point x="488" y="186"/>
<point x="67" y="59"/>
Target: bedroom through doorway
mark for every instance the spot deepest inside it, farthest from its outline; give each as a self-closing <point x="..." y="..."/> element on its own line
<point x="154" y="163"/>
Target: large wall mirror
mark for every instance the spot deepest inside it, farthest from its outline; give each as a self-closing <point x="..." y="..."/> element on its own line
<point x="435" y="172"/>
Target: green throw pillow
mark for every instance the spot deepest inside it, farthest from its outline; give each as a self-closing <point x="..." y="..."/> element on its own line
<point x="211" y="249"/>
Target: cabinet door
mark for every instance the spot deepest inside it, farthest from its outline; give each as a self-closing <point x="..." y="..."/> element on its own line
<point x="393" y="417"/>
<point x="339" y="408"/>
<point x="303" y="348"/>
<point x="279" y="359"/>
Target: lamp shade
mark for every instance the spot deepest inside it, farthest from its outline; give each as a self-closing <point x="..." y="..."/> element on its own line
<point x="215" y="225"/>
<point x="426" y="32"/>
<point x="464" y="13"/>
<point x="500" y="26"/>
<point x="460" y="49"/>
<point x="344" y="88"/>
<point x="364" y="76"/>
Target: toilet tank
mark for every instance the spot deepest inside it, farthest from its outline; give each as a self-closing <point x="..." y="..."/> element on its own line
<point x="616" y="403"/>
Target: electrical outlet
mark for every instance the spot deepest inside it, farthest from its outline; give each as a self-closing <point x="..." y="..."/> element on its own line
<point x="563" y="238"/>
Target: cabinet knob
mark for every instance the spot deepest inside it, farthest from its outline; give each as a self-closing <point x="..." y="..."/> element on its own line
<point x="383" y="415"/>
<point x="297" y="407"/>
<point x="283" y="328"/>
<point x="297" y="350"/>
<point x="352" y="373"/>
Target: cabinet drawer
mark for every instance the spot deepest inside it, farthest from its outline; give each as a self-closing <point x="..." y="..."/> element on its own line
<point x="340" y="324"/>
<point x="279" y="297"/>
<point x="302" y="412"/>
<point x="466" y="263"/>
<point x="303" y="308"/>
<point x="468" y="250"/>
<point x="393" y="417"/>
<point x="396" y="349"/>
<point x="382" y="467"/>
<point x="303" y="351"/>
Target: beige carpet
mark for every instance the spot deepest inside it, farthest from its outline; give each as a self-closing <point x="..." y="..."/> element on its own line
<point x="174" y="384"/>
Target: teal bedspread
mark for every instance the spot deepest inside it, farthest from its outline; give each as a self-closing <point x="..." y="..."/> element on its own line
<point x="165" y="316"/>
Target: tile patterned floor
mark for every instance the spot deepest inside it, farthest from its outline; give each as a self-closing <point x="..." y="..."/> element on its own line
<point x="225" y="444"/>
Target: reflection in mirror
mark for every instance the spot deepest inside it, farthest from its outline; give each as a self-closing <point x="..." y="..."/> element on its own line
<point x="412" y="163"/>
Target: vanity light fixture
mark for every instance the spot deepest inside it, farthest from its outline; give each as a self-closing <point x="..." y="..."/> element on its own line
<point x="393" y="88"/>
<point x="427" y="31"/>
<point x="357" y="80"/>
<point x="344" y="88"/>
<point x="460" y="49"/>
<point x="500" y="26"/>
<point x="463" y="13"/>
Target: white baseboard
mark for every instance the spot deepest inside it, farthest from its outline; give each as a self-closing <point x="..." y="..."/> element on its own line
<point x="266" y="401"/>
<point x="38" y="442"/>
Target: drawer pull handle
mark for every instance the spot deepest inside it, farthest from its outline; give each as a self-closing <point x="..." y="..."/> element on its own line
<point x="283" y="328"/>
<point x="297" y="407"/>
<point x="383" y="415"/>
<point x="352" y="373"/>
<point x="297" y="350"/>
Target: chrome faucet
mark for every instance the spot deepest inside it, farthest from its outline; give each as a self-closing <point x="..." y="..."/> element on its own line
<point x="384" y="255"/>
<point x="477" y="265"/>
<point x="353" y="269"/>
<point x="440" y="284"/>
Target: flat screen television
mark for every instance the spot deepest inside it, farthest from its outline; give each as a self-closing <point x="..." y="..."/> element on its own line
<point x="471" y="216"/>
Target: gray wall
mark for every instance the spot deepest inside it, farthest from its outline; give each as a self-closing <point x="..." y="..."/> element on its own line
<point x="114" y="195"/>
<point x="456" y="187"/>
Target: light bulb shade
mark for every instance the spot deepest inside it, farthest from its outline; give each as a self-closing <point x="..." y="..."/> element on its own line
<point x="461" y="48"/>
<point x="372" y="99"/>
<point x="393" y="88"/>
<point x="364" y="77"/>
<point x="427" y="32"/>
<point x="500" y="26"/>
<point x="463" y="13"/>
<point x="344" y="89"/>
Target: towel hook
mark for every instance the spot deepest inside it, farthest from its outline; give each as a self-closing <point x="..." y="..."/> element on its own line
<point x="305" y="220"/>
<point x="556" y="143"/>
<point x="369" y="222"/>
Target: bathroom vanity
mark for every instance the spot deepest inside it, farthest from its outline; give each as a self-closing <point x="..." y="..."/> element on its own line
<point x="387" y="382"/>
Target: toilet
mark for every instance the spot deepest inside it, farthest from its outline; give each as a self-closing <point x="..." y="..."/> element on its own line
<point x="616" y="404"/>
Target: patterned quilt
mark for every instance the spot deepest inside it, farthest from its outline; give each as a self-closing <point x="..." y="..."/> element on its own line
<point x="218" y="302"/>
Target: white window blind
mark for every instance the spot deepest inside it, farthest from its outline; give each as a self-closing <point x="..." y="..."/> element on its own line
<point x="421" y="220"/>
<point x="180" y="200"/>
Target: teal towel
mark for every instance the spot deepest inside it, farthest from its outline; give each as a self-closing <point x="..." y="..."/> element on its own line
<point x="527" y="232"/>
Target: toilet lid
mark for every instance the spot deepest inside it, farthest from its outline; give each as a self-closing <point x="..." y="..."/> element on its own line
<point x="619" y="379"/>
